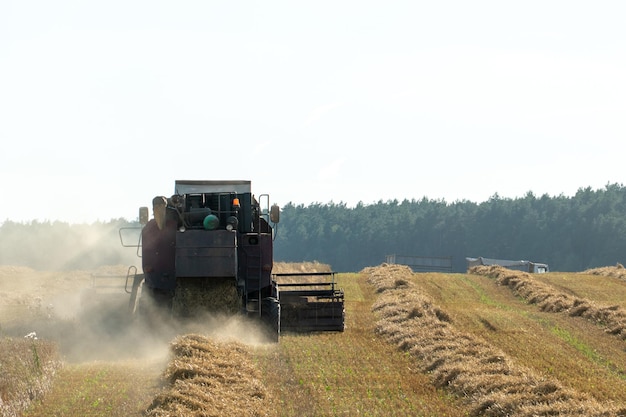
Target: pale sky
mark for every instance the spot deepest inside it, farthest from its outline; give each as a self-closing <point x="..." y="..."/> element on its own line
<point x="104" y="104"/>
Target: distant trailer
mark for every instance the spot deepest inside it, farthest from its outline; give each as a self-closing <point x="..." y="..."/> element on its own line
<point x="526" y="266"/>
<point x="422" y="263"/>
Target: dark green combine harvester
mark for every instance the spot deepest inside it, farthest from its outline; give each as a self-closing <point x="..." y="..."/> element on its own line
<point x="209" y="248"/>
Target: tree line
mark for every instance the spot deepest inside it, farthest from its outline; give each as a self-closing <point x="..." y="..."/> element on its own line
<point x="573" y="233"/>
<point x="568" y="233"/>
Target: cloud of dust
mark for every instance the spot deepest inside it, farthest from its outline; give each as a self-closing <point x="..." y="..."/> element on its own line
<point x="92" y="326"/>
<point x="56" y="246"/>
<point x="46" y="287"/>
<point x="228" y="328"/>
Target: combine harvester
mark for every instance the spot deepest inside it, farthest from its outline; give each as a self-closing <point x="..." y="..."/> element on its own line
<point x="209" y="248"/>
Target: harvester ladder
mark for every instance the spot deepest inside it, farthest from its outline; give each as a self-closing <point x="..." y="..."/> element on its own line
<point x="254" y="261"/>
<point x="253" y="273"/>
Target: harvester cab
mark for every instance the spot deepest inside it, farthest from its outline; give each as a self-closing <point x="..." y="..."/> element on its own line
<point x="209" y="249"/>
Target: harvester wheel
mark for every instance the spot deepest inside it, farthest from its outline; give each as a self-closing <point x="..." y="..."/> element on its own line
<point x="270" y="315"/>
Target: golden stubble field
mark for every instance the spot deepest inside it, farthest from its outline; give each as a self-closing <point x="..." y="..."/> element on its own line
<point x="491" y="342"/>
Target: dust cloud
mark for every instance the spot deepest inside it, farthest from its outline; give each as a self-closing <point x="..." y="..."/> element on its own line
<point x="57" y="246"/>
<point x="90" y="321"/>
<point x="72" y="291"/>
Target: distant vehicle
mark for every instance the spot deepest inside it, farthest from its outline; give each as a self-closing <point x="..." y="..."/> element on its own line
<point x="526" y="266"/>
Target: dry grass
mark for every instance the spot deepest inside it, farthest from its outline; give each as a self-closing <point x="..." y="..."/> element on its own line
<point x="90" y="388"/>
<point x="27" y="370"/>
<point x="431" y="368"/>
<point x="576" y="352"/>
<point x="207" y="378"/>
<point x="612" y="318"/>
<point x="617" y="271"/>
<point x="286" y="267"/>
<point x="471" y="368"/>
<point x="352" y="373"/>
<point x="101" y="389"/>
<point x="194" y="297"/>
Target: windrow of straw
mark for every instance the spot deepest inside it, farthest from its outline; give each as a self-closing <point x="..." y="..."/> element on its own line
<point x="617" y="271"/>
<point x="208" y="378"/>
<point x="548" y="299"/>
<point x="466" y="365"/>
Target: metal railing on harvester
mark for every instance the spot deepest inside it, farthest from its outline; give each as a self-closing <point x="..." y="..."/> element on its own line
<point x="309" y="301"/>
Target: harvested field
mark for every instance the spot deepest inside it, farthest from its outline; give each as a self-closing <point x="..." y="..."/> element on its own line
<point x="100" y="388"/>
<point x="611" y="317"/>
<point x="468" y="366"/>
<point x="487" y="343"/>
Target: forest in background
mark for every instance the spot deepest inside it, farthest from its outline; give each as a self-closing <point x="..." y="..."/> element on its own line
<point x="570" y="233"/>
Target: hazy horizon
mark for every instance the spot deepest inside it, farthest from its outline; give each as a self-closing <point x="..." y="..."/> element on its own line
<point x="105" y="105"/>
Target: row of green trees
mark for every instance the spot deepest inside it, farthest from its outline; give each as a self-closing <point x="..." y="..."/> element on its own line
<point x="569" y="233"/>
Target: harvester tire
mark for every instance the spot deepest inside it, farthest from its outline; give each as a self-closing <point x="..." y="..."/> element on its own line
<point x="270" y="315"/>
